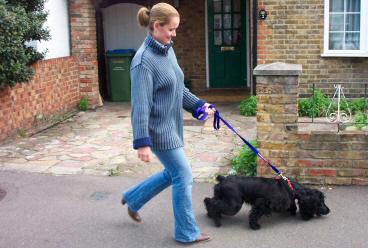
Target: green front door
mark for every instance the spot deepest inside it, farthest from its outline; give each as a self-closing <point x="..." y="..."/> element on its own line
<point x="227" y="43"/>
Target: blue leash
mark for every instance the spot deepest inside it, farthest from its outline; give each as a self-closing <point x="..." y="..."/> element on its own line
<point x="202" y="115"/>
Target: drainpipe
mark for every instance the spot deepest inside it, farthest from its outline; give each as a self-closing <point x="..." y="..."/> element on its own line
<point x="254" y="48"/>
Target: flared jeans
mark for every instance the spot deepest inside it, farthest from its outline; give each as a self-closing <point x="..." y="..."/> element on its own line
<point x="177" y="173"/>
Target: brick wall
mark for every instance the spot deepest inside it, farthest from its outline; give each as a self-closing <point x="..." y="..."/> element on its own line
<point x="190" y="43"/>
<point x="293" y="33"/>
<point x="84" y="47"/>
<point x="324" y="157"/>
<point x="333" y="158"/>
<point x="58" y="84"/>
<point x="53" y="90"/>
<point x="277" y="116"/>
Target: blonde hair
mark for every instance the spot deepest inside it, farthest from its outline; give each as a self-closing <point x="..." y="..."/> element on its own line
<point x="161" y="12"/>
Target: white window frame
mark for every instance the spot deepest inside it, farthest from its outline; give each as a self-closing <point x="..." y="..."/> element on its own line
<point x="363" y="52"/>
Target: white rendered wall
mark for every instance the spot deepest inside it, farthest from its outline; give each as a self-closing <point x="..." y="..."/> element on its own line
<point x="121" y="30"/>
<point x="58" y="24"/>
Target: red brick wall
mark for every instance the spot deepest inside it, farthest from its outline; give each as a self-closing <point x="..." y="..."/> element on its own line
<point x="84" y="47"/>
<point x="58" y="84"/>
<point x="53" y="90"/>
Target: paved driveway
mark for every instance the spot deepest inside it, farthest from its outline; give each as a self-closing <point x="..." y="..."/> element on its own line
<point x="100" y="143"/>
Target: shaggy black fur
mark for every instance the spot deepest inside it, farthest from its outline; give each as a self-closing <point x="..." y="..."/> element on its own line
<point x="264" y="195"/>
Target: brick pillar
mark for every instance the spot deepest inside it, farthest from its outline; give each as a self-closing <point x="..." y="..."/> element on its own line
<point x="84" y="47"/>
<point x="277" y="116"/>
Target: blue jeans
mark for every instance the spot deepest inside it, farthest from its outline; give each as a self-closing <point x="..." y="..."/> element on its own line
<point x="177" y="173"/>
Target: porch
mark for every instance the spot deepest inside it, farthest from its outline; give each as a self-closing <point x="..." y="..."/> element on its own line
<point x="213" y="43"/>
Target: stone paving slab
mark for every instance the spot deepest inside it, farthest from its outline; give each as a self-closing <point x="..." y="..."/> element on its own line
<point x="99" y="142"/>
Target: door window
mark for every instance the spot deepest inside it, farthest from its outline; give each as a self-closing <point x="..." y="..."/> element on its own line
<point x="226" y="22"/>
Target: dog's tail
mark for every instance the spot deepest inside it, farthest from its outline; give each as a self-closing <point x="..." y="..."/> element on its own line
<point x="220" y="178"/>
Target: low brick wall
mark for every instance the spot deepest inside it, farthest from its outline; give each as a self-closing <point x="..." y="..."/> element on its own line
<point x="333" y="158"/>
<point x="53" y="90"/>
<point x="59" y="83"/>
<point x="309" y="157"/>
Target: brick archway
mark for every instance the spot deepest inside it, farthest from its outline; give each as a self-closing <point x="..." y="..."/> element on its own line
<point x="99" y="37"/>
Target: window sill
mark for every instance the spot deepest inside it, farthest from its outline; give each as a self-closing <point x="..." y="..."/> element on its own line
<point x="352" y="55"/>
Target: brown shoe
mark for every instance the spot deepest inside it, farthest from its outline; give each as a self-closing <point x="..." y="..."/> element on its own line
<point x="134" y="215"/>
<point x="202" y="238"/>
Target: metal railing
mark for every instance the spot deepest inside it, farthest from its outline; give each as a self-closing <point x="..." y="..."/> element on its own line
<point x="343" y="104"/>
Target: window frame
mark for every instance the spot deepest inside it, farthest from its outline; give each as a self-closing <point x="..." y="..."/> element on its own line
<point x="363" y="52"/>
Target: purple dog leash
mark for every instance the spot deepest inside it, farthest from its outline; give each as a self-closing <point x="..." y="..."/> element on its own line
<point x="202" y="115"/>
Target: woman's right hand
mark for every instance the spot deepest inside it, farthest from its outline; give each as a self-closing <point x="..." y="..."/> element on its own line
<point x="145" y="154"/>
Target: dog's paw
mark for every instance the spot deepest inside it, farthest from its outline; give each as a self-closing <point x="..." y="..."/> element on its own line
<point x="306" y="217"/>
<point x="254" y="226"/>
<point x="217" y="223"/>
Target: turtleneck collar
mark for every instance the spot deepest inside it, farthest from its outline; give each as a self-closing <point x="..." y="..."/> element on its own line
<point x="157" y="46"/>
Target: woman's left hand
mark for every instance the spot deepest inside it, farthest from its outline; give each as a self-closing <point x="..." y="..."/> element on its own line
<point x="209" y="111"/>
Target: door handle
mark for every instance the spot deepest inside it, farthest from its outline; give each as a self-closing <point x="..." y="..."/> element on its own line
<point x="227" y="48"/>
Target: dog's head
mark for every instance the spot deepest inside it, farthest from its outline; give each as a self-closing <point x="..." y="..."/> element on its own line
<point x="212" y="206"/>
<point x="213" y="209"/>
<point x="311" y="202"/>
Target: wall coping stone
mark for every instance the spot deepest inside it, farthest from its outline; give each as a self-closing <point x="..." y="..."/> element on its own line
<point x="341" y="132"/>
<point x="278" y="69"/>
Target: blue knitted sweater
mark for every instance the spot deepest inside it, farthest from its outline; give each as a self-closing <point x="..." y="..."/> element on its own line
<point x="158" y="97"/>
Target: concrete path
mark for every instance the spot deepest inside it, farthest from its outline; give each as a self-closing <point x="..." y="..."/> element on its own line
<point x="44" y="211"/>
<point x="100" y="143"/>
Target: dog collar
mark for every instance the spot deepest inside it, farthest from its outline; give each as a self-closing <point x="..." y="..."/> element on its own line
<point x="280" y="176"/>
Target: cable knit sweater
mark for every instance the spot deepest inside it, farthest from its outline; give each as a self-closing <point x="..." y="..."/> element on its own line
<point x="158" y="97"/>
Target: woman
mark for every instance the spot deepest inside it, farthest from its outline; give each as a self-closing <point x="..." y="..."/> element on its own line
<point x="158" y="97"/>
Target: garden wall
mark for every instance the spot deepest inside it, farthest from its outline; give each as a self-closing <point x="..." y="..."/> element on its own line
<point x="58" y="84"/>
<point x="53" y="90"/>
<point x="323" y="157"/>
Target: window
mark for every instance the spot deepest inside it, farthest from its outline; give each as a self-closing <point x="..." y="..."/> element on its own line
<point x="58" y="24"/>
<point x="345" y="33"/>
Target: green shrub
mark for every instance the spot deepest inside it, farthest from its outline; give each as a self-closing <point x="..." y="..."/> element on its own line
<point x="314" y="106"/>
<point x="20" y="21"/>
<point x="248" y="107"/>
<point x="361" y="120"/>
<point x="246" y="162"/>
<point x="322" y="103"/>
<point x="358" y="105"/>
<point x="84" y="104"/>
<point x="305" y="107"/>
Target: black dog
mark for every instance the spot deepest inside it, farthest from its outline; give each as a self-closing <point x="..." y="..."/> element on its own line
<point x="265" y="195"/>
